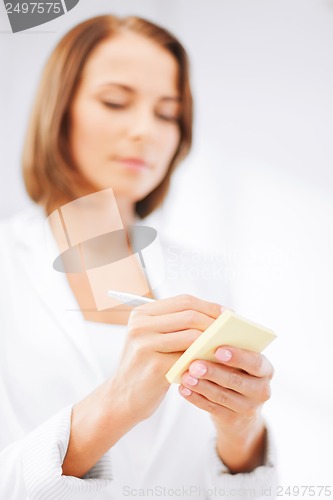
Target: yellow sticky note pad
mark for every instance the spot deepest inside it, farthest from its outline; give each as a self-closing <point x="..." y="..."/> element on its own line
<point x="227" y="329"/>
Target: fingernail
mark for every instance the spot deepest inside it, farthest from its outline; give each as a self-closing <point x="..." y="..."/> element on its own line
<point x="191" y="380"/>
<point x="185" y="391"/>
<point x="223" y="354"/>
<point x="222" y="309"/>
<point x="198" y="369"/>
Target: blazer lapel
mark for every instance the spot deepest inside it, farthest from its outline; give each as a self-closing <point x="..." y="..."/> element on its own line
<point x="34" y="248"/>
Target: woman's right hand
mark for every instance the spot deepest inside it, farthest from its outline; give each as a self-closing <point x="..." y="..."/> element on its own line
<point x="158" y="333"/>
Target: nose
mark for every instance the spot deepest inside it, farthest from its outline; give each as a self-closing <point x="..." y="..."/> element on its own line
<point x="143" y="124"/>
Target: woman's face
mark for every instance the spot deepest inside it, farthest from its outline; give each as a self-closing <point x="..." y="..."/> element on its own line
<point x="124" y="117"/>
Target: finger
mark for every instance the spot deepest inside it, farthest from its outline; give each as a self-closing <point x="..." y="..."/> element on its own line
<point x="180" y="303"/>
<point x="253" y="388"/>
<point x="176" y="341"/>
<point x="205" y="404"/>
<point x="182" y="320"/>
<point x="254" y="363"/>
<point x="173" y="322"/>
<point x="219" y="395"/>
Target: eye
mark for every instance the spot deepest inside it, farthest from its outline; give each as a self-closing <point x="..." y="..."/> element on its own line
<point x="168" y="118"/>
<point x="169" y="111"/>
<point x="114" y="105"/>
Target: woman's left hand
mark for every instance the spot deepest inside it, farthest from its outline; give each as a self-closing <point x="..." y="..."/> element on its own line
<point x="233" y="390"/>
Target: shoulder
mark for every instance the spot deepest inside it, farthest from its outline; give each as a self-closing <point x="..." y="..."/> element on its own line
<point x="21" y="229"/>
<point x="28" y="217"/>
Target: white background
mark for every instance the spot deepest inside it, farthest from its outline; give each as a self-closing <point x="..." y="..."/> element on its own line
<point x="257" y="190"/>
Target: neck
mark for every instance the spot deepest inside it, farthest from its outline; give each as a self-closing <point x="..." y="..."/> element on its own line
<point x="127" y="211"/>
<point x="125" y="207"/>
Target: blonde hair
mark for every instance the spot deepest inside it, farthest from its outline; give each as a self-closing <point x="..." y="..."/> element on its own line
<point x="48" y="171"/>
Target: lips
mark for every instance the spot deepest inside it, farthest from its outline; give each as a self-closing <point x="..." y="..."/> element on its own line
<point x="133" y="163"/>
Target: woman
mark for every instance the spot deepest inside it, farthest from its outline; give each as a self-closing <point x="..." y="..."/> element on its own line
<point x="84" y="393"/>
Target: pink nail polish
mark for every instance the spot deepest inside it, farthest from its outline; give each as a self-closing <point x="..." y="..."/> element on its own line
<point x="185" y="391"/>
<point x="191" y="380"/>
<point x="223" y="354"/>
<point x="198" y="369"/>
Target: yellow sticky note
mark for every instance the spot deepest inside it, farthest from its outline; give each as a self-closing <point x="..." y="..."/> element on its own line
<point x="227" y="329"/>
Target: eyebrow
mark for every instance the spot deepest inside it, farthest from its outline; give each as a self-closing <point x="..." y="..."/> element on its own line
<point x="132" y="91"/>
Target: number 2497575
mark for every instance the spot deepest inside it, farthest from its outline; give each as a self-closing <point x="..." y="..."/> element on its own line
<point x="34" y="7"/>
<point x="302" y="491"/>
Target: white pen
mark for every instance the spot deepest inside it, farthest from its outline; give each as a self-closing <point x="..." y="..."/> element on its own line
<point x="129" y="298"/>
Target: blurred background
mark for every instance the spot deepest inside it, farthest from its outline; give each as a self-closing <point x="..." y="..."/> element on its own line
<point x="256" y="194"/>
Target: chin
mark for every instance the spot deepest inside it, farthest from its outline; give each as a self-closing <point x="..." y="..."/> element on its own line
<point x="133" y="195"/>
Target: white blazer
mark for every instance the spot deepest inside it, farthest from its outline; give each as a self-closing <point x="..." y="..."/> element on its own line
<point x="47" y="365"/>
